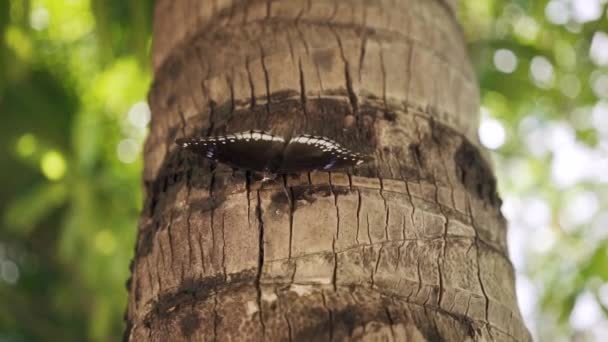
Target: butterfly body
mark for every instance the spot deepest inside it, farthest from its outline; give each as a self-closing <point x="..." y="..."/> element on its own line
<point x="271" y="154"/>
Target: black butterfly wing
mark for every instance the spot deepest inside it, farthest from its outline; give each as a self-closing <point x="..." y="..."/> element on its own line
<point x="307" y="153"/>
<point x="253" y="150"/>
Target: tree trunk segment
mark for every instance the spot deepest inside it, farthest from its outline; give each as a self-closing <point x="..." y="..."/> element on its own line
<point x="410" y="247"/>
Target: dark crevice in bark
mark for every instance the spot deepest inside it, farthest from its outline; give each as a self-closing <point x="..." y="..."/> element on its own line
<point x="352" y="96"/>
<point x="170" y="236"/>
<point x="290" y="45"/>
<point x="216" y="320"/>
<point x="248" y="194"/>
<point x="358" y="216"/>
<point x="363" y="47"/>
<point x="291" y="202"/>
<point x="383" y="74"/>
<point x="289" y="328"/>
<point x="330" y="316"/>
<point x="483" y="290"/>
<point x="303" y="39"/>
<point x="224" y="247"/>
<point x="336" y="236"/>
<point x="369" y="235"/>
<point x="302" y="89"/>
<point x="251" y="85"/>
<point x="183" y="120"/>
<point x="441" y="255"/>
<point x="200" y="247"/>
<point x="266" y="79"/>
<point x="230" y="83"/>
<point x="391" y="322"/>
<point x="268" y="8"/>
<point x="260" y="262"/>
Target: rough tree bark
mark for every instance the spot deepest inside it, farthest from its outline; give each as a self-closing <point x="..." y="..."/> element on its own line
<point x="411" y="247"/>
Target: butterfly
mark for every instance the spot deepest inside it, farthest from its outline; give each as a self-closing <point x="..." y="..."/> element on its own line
<point x="272" y="154"/>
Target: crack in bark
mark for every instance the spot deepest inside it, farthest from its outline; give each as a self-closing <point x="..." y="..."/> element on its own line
<point x="337" y="236"/>
<point x="183" y="120"/>
<point x="383" y="74"/>
<point x="391" y="322"/>
<point x="302" y="38"/>
<point x="215" y="317"/>
<point x="266" y="79"/>
<point x="200" y="246"/>
<point x="409" y="73"/>
<point x="303" y="91"/>
<point x="248" y="194"/>
<point x="375" y="270"/>
<point x="290" y="46"/>
<point x="363" y="47"/>
<point x="189" y="226"/>
<point x="289" y="329"/>
<point x="149" y="273"/>
<point x="402" y="244"/>
<point x="483" y="290"/>
<point x="211" y="105"/>
<point x="158" y="266"/>
<point x="260" y="270"/>
<point x="352" y="96"/>
<point x="441" y="255"/>
<point x="330" y="316"/>
<point x="369" y="235"/>
<point x="224" y="247"/>
<point x="230" y="83"/>
<point x="420" y="284"/>
<point x="251" y="85"/>
<point x="291" y="201"/>
<point x="170" y="236"/>
<point x="358" y="215"/>
<point x="268" y="8"/>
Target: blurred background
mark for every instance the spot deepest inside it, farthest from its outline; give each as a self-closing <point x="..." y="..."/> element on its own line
<point x="73" y="81"/>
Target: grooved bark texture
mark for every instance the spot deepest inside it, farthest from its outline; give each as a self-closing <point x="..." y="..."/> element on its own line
<point x="410" y="247"/>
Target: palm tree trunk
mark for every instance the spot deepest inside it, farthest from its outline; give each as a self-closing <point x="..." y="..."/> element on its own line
<point x="410" y="247"/>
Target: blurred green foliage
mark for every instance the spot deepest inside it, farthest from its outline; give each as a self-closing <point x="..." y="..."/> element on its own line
<point x="73" y="81"/>
<point x="70" y="74"/>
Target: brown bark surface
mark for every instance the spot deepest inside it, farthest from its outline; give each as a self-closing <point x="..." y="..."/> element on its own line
<point x="410" y="247"/>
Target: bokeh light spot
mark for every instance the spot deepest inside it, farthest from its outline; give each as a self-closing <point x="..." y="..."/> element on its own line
<point x="9" y="271"/>
<point x="492" y="133"/>
<point x="505" y="61"/>
<point x="127" y="151"/>
<point x="26" y="145"/>
<point x="139" y="115"/>
<point x="599" y="48"/>
<point x="557" y="12"/>
<point x="578" y="210"/>
<point x="599" y="116"/>
<point x="53" y="165"/>
<point x="586" y="312"/>
<point x="586" y="10"/>
<point x="39" y="19"/>
<point x="542" y="71"/>
<point x="599" y="83"/>
<point x="526" y="29"/>
<point x="105" y="242"/>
